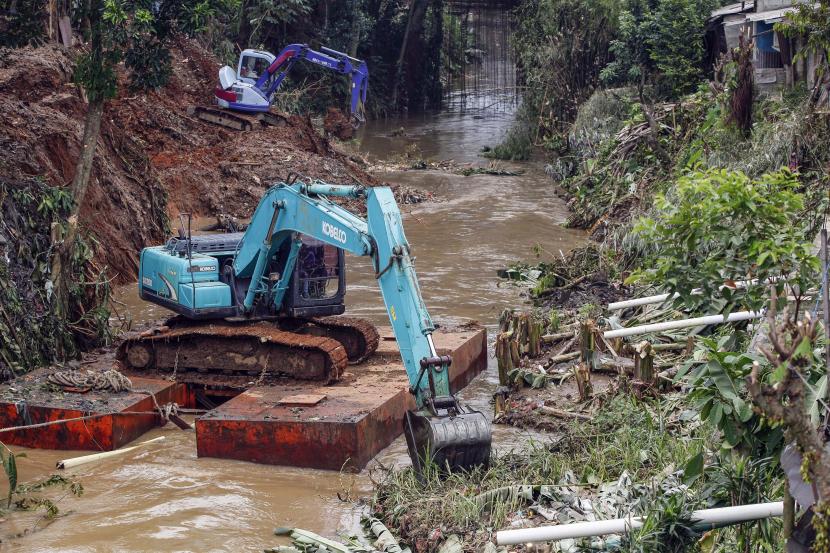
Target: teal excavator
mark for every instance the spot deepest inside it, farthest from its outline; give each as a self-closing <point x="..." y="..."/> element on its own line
<point x="270" y="301"/>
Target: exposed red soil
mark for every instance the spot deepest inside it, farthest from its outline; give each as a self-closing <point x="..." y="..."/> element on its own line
<point x="153" y="159"/>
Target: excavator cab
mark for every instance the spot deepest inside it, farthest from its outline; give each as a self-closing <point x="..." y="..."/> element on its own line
<point x="318" y="287"/>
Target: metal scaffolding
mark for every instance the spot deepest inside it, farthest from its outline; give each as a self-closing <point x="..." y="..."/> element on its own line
<point x="479" y="69"/>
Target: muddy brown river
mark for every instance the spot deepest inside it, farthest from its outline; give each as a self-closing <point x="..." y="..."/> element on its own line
<point x="166" y="499"/>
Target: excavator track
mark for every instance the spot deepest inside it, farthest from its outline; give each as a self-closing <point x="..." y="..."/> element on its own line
<point x="235" y="120"/>
<point x="259" y="350"/>
<point x="358" y="336"/>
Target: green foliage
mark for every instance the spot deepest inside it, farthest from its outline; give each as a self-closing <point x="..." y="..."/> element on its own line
<point x="667" y="526"/>
<point x="23" y="24"/>
<point x="734" y="479"/>
<point x="95" y="68"/>
<point x="137" y="32"/>
<point x="26" y="494"/>
<point x="627" y="441"/>
<point x="717" y="385"/>
<point x="149" y="63"/>
<point x="561" y="46"/>
<point x="516" y="145"/>
<point x="632" y="62"/>
<point x="719" y="226"/>
<point x="810" y="20"/>
<point x="660" y="42"/>
<point x="263" y="14"/>
<point x="9" y="462"/>
<point x="677" y="43"/>
<point x="31" y="334"/>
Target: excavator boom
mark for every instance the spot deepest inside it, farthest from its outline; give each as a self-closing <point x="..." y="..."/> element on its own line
<point x="440" y="430"/>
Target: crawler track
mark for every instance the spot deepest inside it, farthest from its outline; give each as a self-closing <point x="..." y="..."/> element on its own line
<point x="259" y="350"/>
<point x="236" y="120"/>
<point x="358" y="336"/>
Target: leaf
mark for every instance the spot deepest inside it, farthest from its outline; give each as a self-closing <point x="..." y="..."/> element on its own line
<point x="730" y="432"/>
<point x="742" y="409"/>
<point x="814" y="395"/>
<point x="707" y="542"/>
<point x="779" y="373"/>
<point x="804" y="349"/>
<point x="716" y="415"/>
<point x="693" y="469"/>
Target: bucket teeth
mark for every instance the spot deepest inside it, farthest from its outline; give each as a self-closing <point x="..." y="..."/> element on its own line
<point x="451" y="442"/>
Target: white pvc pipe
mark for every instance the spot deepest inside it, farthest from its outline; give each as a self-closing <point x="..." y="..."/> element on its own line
<point x="75" y="461"/>
<point x="719" y="516"/>
<point x="636" y="302"/>
<point x="683" y="323"/>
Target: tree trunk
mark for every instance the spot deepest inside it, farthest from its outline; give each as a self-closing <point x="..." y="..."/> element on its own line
<point x="654" y="134"/>
<point x="63" y="255"/>
<point x="243" y="36"/>
<point x="414" y="27"/>
<point x="434" y="90"/>
<point x="354" y="31"/>
<point x="92" y="128"/>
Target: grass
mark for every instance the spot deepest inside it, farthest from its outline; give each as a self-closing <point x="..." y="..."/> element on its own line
<point x="517" y="144"/>
<point x="641" y="439"/>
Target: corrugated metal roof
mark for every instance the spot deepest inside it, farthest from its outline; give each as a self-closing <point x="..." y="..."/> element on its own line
<point x="770" y="16"/>
<point x="732" y="9"/>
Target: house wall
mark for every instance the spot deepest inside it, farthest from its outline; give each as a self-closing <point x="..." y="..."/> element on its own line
<point x="772" y="77"/>
<point x="767" y="5"/>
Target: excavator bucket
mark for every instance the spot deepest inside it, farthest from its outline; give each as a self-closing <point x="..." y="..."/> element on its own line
<point x="458" y="440"/>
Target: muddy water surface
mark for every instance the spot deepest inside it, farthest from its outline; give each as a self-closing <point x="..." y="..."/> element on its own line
<point x="166" y="499"/>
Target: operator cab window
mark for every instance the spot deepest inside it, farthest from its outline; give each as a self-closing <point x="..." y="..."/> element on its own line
<point x="251" y="68"/>
<point x="319" y="270"/>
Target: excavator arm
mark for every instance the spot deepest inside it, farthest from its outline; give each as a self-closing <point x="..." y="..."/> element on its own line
<point x="441" y="429"/>
<point x="356" y="69"/>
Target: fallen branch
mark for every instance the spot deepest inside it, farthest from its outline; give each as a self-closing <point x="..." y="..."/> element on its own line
<point x="561" y="358"/>
<point x="552" y="338"/>
<point x="564" y="414"/>
<point x="567" y="346"/>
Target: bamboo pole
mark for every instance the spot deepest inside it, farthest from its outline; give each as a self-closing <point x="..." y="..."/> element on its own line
<point x="76" y="461"/>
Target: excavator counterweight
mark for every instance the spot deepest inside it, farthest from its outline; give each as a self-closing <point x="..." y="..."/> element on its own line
<point x="268" y="301"/>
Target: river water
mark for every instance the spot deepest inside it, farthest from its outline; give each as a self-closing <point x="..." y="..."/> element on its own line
<point x="166" y="499"/>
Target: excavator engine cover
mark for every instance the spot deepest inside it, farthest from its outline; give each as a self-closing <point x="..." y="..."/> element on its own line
<point x="453" y="441"/>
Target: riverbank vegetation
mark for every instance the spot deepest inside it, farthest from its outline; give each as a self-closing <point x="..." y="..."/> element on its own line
<point x="692" y="184"/>
<point x="105" y="127"/>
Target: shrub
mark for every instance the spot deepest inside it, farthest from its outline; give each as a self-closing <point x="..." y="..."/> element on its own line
<point x="719" y="226"/>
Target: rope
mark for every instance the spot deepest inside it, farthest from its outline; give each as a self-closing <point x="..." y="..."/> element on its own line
<point x="110" y="380"/>
<point x="168" y="408"/>
<point x="73" y="419"/>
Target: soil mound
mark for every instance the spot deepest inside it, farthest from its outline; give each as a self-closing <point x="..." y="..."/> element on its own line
<point x="153" y="159"/>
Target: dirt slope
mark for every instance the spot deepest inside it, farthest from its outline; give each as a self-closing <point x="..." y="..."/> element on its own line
<point x="153" y="160"/>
